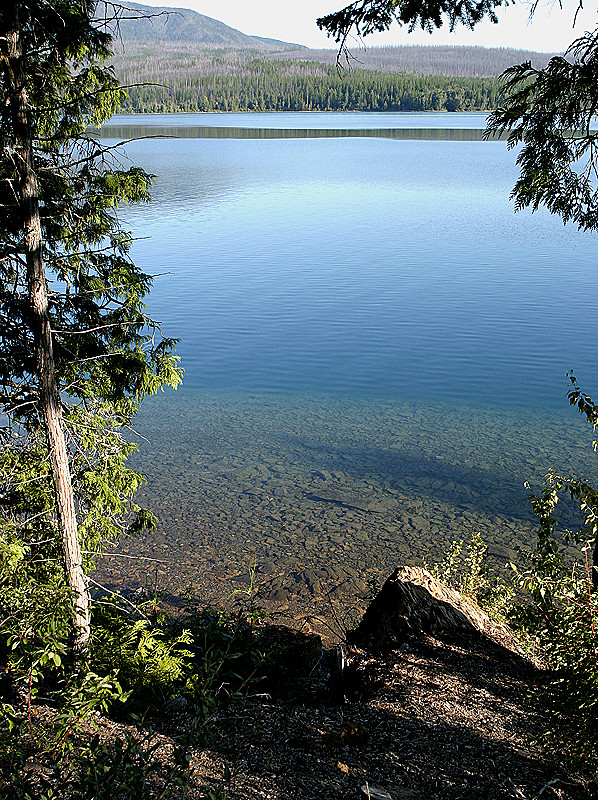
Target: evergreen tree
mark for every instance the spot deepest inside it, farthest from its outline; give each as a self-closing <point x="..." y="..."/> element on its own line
<point x="77" y="350"/>
<point x="549" y="111"/>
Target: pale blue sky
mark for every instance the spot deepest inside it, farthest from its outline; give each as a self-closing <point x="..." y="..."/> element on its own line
<point x="549" y="31"/>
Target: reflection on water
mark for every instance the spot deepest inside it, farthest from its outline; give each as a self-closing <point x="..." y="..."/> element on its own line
<point x="208" y="132"/>
<point x="330" y="120"/>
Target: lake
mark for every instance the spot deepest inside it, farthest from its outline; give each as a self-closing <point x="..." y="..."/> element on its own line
<point x="375" y="346"/>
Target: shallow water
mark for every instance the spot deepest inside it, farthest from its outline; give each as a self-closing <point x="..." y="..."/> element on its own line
<point x="322" y="494"/>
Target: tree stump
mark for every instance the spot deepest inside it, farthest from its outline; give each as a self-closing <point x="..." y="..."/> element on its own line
<point x="413" y="602"/>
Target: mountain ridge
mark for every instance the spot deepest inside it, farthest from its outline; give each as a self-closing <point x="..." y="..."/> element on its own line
<point x="155" y="24"/>
<point x="169" y="32"/>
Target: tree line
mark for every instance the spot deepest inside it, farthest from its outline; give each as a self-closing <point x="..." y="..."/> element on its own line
<point x="266" y="85"/>
<point x="448" y="60"/>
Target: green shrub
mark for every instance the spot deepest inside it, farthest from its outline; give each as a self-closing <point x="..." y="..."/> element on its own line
<point x="466" y="569"/>
<point x="129" y="768"/>
<point x="152" y="663"/>
<point x="561" y="610"/>
<point x="565" y="629"/>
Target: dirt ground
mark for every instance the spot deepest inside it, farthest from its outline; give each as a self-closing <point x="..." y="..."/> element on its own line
<point x="432" y="719"/>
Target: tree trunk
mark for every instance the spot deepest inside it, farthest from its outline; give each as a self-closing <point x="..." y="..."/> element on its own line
<point x="49" y="394"/>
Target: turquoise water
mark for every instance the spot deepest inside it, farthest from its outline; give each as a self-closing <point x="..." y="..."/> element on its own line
<point x="374" y="343"/>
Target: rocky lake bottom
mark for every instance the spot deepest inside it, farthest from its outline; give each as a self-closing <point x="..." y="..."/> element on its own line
<point x="312" y="501"/>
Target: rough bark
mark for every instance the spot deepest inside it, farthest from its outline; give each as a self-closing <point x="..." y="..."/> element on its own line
<point x="412" y="602"/>
<point x="49" y="394"/>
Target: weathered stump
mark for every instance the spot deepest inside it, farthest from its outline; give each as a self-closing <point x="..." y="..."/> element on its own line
<point x="413" y="602"/>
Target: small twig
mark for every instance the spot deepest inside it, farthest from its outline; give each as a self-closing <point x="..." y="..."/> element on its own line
<point x="97" y="328"/>
<point x="342" y="627"/>
<point x="123" y="555"/>
<point x="514" y="790"/>
<point x="122" y="597"/>
<point x="548" y="785"/>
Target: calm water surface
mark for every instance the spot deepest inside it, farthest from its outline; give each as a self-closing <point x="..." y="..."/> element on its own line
<point x="374" y="344"/>
<point x="308" y="120"/>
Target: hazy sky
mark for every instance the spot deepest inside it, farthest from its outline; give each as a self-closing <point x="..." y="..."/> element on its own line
<point x="550" y="30"/>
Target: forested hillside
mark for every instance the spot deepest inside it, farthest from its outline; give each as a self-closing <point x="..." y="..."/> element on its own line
<point x="263" y="85"/>
<point x="155" y="25"/>
<point x="178" y="60"/>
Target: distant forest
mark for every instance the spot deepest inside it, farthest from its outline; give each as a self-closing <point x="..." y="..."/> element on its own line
<point x="179" y="60"/>
<point x="234" y="81"/>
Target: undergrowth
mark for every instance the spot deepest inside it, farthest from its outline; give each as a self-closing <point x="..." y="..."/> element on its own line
<point x="465" y="567"/>
<point x="552" y="607"/>
<point x="142" y="668"/>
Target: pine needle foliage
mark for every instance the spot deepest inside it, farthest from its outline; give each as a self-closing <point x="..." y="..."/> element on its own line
<point x="371" y="16"/>
<point x="108" y="354"/>
<point x="550" y="113"/>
